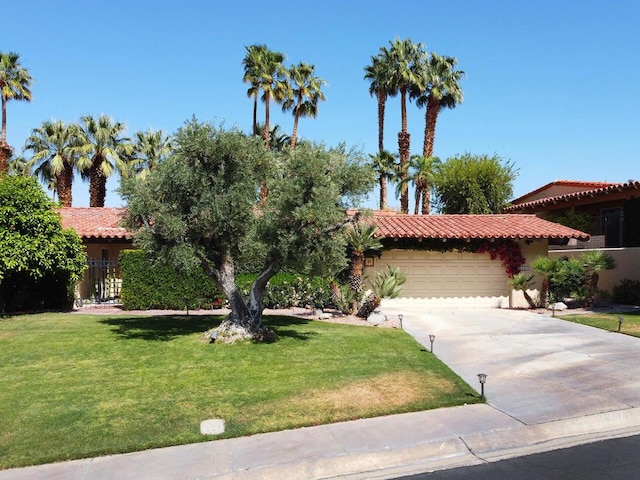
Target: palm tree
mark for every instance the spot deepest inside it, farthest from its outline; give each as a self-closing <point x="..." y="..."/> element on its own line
<point x="521" y="281"/>
<point x="104" y="151"/>
<point x="545" y="267"/>
<point x="149" y="149"/>
<point x="19" y="166"/>
<point x="407" y="58"/>
<point x="252" y="73"/>
<point x="54" y="146"/>
<point x="278" y="139"/>
<point x="303" y="96"/>
<point x="273" y="81"/>
<point x="423" y="171"/>
<point x="379" y="76"/>
<point x="361" y="238"/>
<point x="383" y="164"/>
<point x="15" y="84"/>
<point x="438" y="87"/>
<point x="593" y="262"/>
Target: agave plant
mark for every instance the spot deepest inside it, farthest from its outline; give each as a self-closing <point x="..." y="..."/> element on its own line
<point x="387" y="284"/>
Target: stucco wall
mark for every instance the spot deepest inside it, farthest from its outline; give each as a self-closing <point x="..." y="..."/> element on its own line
<point x="627" y="265"/>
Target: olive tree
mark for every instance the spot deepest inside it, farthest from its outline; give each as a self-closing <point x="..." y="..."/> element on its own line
<point x="201" y="206"/>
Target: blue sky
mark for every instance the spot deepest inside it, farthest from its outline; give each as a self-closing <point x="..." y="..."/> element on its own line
<point x="551" y="85"/>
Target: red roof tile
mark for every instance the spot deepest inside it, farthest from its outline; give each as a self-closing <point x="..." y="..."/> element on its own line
<point x="602" y="190"/>
<point x="95" y="222"/>
<point x="580" y="184"/>
<point x="471" y="227"/>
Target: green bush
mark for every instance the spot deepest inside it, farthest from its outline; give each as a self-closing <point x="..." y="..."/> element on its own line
<point x="286" y="290"/>
<point x="40" y="262"/>
<point x="150" y="286"/>
<point x="627" y="292"/>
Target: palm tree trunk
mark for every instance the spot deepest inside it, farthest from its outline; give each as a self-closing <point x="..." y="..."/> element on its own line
<point x="265" y="132"/>
<point x="383" y="192"/>
<point x="5" y="149"/>
<point x="382" y="99"/>
<point x="426" y="200"/>
<point x="3" y="139"/>
<point x="433" y="108"/>
<point x="97" y="184"/>
<point x="64" y="185"/>
<point x="255" y="115"/>
<point x="404" y="147"/>
<point x="416" y="207"/>
<point x="295" y="130"/>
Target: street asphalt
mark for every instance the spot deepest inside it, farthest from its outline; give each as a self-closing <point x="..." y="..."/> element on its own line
<point x="550" y="384"/>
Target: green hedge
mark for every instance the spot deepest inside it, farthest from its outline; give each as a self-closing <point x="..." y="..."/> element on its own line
<point x="147" y="286"/>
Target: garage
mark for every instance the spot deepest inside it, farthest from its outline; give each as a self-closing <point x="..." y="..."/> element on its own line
<point x="428" y="249"/>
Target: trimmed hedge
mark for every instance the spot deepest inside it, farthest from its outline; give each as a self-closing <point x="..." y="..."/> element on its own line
<point x="147" y="286"/>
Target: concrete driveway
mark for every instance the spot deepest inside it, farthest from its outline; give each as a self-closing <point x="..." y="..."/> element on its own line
<point x="539" y="368"/>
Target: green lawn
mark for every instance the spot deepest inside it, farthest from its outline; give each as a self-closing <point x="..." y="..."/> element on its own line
<point x="609" y="321"/>
<point x="77" y="385"/>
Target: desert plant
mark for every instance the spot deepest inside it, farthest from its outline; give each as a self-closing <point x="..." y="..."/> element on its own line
<point x="521" y="281"/>
<point x="386" y="284"/>
<point x="593" y="262"/>
<point x="627" y="292"/>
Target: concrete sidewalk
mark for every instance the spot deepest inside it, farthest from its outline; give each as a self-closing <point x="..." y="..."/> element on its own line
<point x="550" y="384"/>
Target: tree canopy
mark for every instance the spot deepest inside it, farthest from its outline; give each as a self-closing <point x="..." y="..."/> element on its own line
<point x="201" y="207"/>
<point x="39" y="260"/>
<point x="474" y="184"/>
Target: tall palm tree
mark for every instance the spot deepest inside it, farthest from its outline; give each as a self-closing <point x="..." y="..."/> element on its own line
<point x="54" y="146"/>
<point x="149" y="149"/>
<point x="422" y="173"/>
<point x="383" y="164"/>
<point x="252" y="73"/>
<point x="438" y="87"/>
<point x="104" y="151"/>
<point x="273" y="81"/>
<point x="15" y="84"/>
<point x="407" y="58"/>
<point x="303" y="96"/>
<point x="379" y="76"/>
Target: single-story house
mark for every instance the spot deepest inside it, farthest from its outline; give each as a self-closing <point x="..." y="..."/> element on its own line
<point x="447" y="258"/>
<point x="103" y="238"/>
<point x="613" y="210"/>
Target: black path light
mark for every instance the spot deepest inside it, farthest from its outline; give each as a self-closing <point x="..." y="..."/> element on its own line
<point x="432" y="339"/>
<point x="400" y="318"/>
<point x="620" y="320"/>
<point x="482" y="378"/>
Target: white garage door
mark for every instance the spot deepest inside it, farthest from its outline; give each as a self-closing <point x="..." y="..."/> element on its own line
<point x="450" y="278"/>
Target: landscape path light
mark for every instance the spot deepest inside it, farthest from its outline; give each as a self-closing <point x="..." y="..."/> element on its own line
<point x="431" y="339"/>
<point x="400" y="318"/>
<point x="482" y="378"/>
<point x="620" y="320"/>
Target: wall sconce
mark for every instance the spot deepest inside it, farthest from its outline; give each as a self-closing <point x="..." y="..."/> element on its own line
<point x="482" y="378"/>
<point x="431" y="339"/>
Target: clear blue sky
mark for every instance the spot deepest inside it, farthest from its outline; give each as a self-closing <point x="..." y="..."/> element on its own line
<point x="552" y="85"/>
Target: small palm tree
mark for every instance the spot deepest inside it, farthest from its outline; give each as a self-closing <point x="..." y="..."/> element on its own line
<point x="54" y="146"/>
<point x="149" y="149"/>
<point x="422" y="174"/>
<point x="383" y="164"/>
<point x="545" y="267"/>
<point x="521" y="281"/>
<point x="595" y="261"/>
<point x="361" y="238"/>
<point x="15" y="84"/>
<point x="104" y="150"/>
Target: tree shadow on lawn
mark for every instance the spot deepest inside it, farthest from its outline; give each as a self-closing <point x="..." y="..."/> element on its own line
<point x="161" y="328"/>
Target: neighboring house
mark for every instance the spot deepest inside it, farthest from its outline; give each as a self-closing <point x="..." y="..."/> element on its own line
<point x="417" y="244"/>
<point x="614" y="213"/>
<point x="103" y="238"/>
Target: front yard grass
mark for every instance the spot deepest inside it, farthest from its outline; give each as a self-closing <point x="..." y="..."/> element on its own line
<point x="77" y="385"/>
<point x="609" y="321"/>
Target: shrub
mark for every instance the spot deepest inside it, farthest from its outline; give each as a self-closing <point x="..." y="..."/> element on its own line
<point x="627" y="292"/>
<point x="146" y="285"/>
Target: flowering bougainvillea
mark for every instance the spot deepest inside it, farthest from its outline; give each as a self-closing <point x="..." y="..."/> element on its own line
<point x="508" y="251"/>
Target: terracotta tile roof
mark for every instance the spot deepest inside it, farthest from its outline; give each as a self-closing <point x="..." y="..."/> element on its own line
<point x="580" y="184"/>
<point x="471" y="226"/>
<point x="95" y="223"/>
<point x="602" y="190"/>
